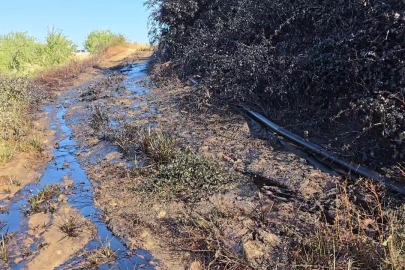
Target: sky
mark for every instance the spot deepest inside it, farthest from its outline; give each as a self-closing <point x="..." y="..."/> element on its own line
<point x="76" y="18"/>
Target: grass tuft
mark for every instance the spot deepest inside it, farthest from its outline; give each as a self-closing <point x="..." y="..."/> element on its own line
<point x="100" y="256"/>
<point x="71" y="226"/>
<point x="4" y="240"/>
<point x="100" y="122"/>
<point x="188" y="176"/>
<point x="203" y="237"/>
<point x="41" y="202"/>
<point x="366" y="236"/>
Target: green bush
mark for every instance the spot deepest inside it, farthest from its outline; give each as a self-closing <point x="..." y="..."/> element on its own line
<point x="22" y="55"/>
<point x="98" y="40"/>
<point x="18" y="51"/>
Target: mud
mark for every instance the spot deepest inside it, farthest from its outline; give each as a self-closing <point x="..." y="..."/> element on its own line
<point x="268" y="180"/>
<point x="67" y="224"/>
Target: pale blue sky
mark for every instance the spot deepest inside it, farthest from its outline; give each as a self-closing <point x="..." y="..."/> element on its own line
<point x="75" y="17"/>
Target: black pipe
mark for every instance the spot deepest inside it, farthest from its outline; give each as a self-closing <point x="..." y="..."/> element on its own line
<point x="358" y="169"/>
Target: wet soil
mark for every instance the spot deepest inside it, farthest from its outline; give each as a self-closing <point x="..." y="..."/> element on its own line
<point x="44" y="230"/>
<point x="273" y="199"/>
<point x="271" y="187"/>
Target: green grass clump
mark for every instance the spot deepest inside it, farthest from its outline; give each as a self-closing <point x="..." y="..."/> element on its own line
<point x="157" y="145"/>
<point x="71" y="226"/>
<point x="41" y="202"/>
<point x="99" y="40"/>
<point x="190" y="176"/>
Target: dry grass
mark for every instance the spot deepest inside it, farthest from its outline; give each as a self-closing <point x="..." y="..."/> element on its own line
<point x="368" y="234"/>
<point x="204" y="238"/>
<point x="100" y="256"/>
<point x="71" y="226"/>
<point x="56" y="79"/>
<point x="141" y="47"/>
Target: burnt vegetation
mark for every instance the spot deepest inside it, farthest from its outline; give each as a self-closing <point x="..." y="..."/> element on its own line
<point x="331" y="65"/>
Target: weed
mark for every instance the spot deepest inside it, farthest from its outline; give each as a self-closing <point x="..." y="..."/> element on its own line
<point x="158" y="145"/>
<point x="36" y="145"/>
<point x="101" y="255"/>
<point x="5" y="238"/>
<point x="188" y="176"/>
<point x="6" y="154"/>
<point x="34" y="206"/>
<point x="395" y="241"/>
<point x="16" y="128"/>
<point x="14" y="181"/>
<point x="203" y="237"/>
<point x="362" y="237"/>
<point x="125" y="138"/>
<point x="41" y="201"/>
<point x="100" y="121"/>
<point x="7" y="190"/>
<point x="71" y="226"/>
<point x="42" y="245"/>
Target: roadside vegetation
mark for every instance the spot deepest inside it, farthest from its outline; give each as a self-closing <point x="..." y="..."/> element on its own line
<point x="333" y="68"/>
<point x="18" y="96"/>
<point x="23" y="55"/>
<point x="30" y="71"/>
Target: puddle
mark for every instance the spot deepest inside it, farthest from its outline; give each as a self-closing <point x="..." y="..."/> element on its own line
<point x="14" y="219"/>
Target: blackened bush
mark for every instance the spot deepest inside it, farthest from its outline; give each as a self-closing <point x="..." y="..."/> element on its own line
<point x="330" y="55"/>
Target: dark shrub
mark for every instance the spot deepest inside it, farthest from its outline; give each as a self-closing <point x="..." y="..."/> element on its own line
<point x="341" y="58"/>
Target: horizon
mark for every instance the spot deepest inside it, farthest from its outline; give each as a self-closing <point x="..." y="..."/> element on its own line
<point x="74" y="19"/>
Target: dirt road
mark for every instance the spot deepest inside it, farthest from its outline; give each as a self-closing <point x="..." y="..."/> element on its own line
<point x="48" y="218"/>
<point x="149" y="175"/>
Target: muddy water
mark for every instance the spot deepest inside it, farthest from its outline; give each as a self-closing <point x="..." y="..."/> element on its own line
<point x="63" y="165"/>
